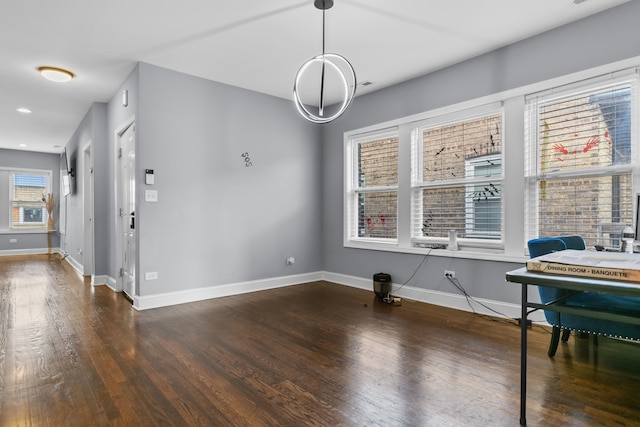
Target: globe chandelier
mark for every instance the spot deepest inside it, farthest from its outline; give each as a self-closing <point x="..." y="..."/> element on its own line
<point x="332" y="72"/>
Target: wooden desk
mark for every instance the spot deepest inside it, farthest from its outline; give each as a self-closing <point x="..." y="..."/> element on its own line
<point x="526" y="278"/>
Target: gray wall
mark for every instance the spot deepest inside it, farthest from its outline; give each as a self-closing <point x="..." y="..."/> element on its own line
<point x="218" y="221"/>
<point x="27" y="159"/>
<point x="72" y="242"/>
<point x="597" y="40"/>
<point x="101" y="171"/>
<point x="117" y="116"/>
<point x="92" y="128"/>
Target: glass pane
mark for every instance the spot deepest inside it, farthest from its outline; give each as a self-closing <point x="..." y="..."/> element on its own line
<point x="447" y="149"/>
<point x="596" y="208"/>
<point x="472" y="211"/>
<point x="486" y="217"/>
<point x="484" y="214"/>
<point x="377" y="215"/>
<point x="28" y="192"/>
<point x="378" y="163"/>
<point x="28" y="187"/>
<point x="444" y="210"/>
<point x="32" y="215"/>
<point x="587" y="131"/>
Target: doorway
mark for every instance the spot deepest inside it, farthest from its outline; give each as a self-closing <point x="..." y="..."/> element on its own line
<point x="87" y="195"/>
<point x="127" y="210"/>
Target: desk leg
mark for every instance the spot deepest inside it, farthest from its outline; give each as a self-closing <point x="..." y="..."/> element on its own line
<point x="523" y="356"/>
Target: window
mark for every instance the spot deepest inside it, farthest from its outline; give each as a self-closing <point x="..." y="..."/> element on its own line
<point x="27" y="194"/>
<point x="372" y="193"/>
<point x="483" y="204"/>
<point x="581" y="165"/>
<point x="457" y="179"/>
<point x="558" y="157"/>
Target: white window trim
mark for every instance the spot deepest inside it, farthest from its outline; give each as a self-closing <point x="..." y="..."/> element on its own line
<point x="352" y="189"/>
<point x="574" y="89"/>
<point x="513" y="166"/>
<point x="417" y="179"/>
<point x="44" y="224"/>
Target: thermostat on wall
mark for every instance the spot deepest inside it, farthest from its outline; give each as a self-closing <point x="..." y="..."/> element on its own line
<point x="148" y="176"/>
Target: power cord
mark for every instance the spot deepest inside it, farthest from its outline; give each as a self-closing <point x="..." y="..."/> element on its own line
<point x="504" y="318"/>
<point x="456" y="283"/>
<point x="422" y="264"/>
<point x="389" y="299"/>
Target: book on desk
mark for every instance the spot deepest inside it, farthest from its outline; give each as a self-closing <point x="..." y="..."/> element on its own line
<point x="598" y="265"/>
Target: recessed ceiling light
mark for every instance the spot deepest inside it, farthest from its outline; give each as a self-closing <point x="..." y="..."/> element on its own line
<point x="23" y="110"/>
<point x="55" y="74"/>
<point x="22" y="145"/>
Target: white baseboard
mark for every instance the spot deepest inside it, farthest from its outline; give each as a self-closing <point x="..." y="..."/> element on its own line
<point x="99" y="280"/>
<point x="79" y="268"/>
<point x="444" y="299"/>
<point x="200" y="294"/>
<point x="112" y="284"/>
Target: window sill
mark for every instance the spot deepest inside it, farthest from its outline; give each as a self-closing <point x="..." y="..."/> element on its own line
<point x="483" y="254"/>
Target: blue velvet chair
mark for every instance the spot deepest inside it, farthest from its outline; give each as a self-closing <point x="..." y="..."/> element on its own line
<point x="563" y="322"/>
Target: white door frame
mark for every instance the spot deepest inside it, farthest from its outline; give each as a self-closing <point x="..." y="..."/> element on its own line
<point x="88" y="259"/>
<point x="120" y="130"/>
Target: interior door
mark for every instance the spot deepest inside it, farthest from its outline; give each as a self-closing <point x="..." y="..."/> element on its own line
<point x="128" y="211"/>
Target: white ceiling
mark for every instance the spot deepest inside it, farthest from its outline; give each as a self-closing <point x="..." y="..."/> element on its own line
<point x="253" y="44"/>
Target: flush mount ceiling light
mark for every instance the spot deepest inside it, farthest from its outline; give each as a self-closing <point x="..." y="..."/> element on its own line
<point x="55" y="74"/>
<point x="333" y="73"/>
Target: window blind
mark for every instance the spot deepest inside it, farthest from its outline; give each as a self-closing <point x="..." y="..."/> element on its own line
<point x="457" y="179"/>
<point x="375" y="185"/>
<point x="580" y="166"/>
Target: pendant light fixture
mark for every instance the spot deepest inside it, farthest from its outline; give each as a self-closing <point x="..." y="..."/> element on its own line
<point x="336" y="77"/>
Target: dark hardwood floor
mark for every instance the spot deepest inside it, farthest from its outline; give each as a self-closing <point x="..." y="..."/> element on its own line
<point x="316" y="354"/>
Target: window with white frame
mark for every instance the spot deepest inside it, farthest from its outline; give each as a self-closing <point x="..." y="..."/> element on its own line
<point x="582" y="160"/>
<point x="372" y="186"/>
<point x="572" y="166"/>
<point x="457" y="179"/>
<point x="28" y="190"/>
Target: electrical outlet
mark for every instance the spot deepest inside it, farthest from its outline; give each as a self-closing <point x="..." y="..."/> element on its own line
<point x="151" y="275"/>
<point x="450" y="274"/>
<point x="291" y="260"/>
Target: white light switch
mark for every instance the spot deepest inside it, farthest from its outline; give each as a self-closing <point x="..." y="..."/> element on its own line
<point x="150" y="195"/>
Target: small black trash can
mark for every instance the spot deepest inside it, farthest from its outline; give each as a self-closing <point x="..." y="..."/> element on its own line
<point x="382" y="285"/>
